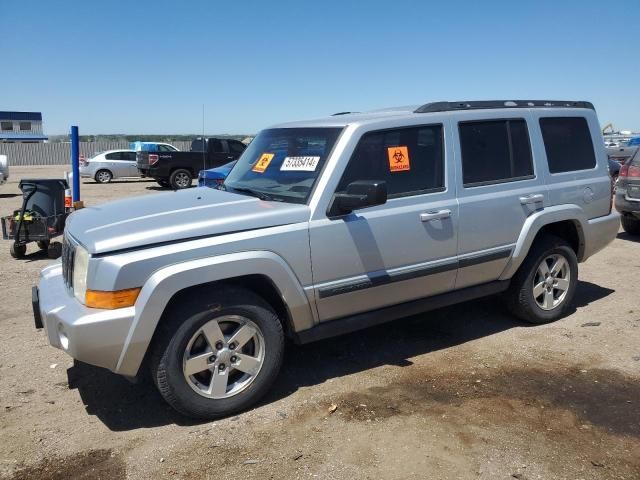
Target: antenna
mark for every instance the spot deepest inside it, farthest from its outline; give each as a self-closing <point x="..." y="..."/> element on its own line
<point x="204" y="145"/>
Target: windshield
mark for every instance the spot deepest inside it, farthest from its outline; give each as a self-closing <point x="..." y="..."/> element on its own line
<point x="283" y="163"/>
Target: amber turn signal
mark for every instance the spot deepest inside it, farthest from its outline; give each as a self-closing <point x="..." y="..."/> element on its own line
<point x="111" y="300"/>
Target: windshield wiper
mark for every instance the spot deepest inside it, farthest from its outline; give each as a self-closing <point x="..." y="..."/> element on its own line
<point x="253" y="193"/>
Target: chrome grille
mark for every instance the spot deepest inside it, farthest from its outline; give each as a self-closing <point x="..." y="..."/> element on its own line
<point x="68" y="252"/>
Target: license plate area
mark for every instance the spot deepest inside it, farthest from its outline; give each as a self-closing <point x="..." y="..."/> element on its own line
<point x="633" y="191"/>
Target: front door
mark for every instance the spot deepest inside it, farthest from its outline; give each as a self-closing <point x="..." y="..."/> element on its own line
<point x="399" y="251"/>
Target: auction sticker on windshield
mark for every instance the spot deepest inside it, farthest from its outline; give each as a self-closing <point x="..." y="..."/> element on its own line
<point x="300" y="164"/>
<point x="262" y="163"/>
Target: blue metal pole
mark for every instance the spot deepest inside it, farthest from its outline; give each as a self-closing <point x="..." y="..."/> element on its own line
<point x="75" y="164"/>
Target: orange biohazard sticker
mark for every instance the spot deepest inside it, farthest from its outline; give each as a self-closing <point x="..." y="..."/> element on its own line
<point x="398" y="159"/>
<point x="262" y="163"/>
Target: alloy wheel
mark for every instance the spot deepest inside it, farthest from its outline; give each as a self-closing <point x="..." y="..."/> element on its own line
<point x="551" y="282"/>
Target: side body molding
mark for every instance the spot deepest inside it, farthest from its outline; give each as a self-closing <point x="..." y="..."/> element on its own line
<point x="532" y="226"/>
<point x="166" y="282"/>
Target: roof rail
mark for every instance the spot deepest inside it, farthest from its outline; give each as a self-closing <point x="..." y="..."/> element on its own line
<point x="489" y="104"/>
<point x="342" y="113"/>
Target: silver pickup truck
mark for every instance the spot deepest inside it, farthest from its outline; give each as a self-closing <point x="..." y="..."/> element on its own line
<point x="327" y="226"/>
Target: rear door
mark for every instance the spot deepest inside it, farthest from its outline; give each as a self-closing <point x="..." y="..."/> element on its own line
<point x="129" y="158"/>
<point x="498" y="188"/>
<point x="218" y="153"/>
<point x="396" y="252"/>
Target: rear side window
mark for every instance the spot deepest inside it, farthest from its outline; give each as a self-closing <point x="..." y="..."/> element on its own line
<point x="568" y="144"/>
<point x="113" y="156"/>
<point x="236" y="147"/>
<point x="410" y="160"/>
<point x="495" y="151"/>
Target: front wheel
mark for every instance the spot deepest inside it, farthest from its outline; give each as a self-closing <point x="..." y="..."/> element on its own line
<point x="180" y="179"/>
<point x="217" y="357"/>
<point x="545" y="284"/>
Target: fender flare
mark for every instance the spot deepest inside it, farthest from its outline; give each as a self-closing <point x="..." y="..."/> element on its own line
<point x="532" y="226"/>
<point x="163" y="284"/>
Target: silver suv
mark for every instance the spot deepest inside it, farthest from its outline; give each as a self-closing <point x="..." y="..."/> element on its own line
<point x="327" y="226"/>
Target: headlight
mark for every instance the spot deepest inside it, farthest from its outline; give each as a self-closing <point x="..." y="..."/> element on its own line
<point x="80" y="266"/>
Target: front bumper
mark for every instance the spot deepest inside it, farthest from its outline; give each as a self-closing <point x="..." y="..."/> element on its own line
<point x="90" y="335"/>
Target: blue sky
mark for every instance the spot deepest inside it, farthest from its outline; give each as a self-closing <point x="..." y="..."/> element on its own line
<point x="149" y="66"/>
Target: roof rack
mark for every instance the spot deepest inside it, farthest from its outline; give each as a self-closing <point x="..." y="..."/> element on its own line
<point x="342" y="113"/>
<point x="489" y="104"/>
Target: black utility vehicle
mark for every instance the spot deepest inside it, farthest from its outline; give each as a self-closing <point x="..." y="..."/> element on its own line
<point x="178" y="169"/>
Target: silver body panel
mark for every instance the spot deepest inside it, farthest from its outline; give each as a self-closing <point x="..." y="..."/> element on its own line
<point x="323" y="268"/>
<point x="118" y="168"/>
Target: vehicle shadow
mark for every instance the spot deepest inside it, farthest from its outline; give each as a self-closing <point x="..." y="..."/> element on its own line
<point x="9" y="195"/>
<point x="129" y="180"/>
<point x="627" y="237"/>
<point x="124" y="406"/>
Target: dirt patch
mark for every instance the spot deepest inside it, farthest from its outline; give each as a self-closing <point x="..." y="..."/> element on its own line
<point x="603" y="398"/>
<point x="88" y="465"/>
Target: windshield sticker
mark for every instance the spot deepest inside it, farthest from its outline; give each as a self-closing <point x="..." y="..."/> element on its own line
<point x="398" y="159"/>
<point x="262" y="163"/>
<point x="300" y="164"/>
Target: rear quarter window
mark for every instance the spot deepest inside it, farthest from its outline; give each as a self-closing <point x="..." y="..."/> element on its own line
<point x="568" y="144"/>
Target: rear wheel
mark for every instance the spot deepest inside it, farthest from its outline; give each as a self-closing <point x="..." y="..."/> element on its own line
<point x="54" y="250"/>
<point x="103" y="176"/>
<point x="180" y="179"/>
<point x="631" y="224"/>
<point x="546" y="282"/>
<point x="217" y="357"/>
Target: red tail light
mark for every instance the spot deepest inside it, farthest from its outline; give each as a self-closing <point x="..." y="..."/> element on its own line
<point x="153" y="159"/>
<point x="629" y="171"/>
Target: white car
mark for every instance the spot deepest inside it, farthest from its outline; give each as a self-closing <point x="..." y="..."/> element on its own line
<point x="105" y="166"/>
<point x="4" y="169"/>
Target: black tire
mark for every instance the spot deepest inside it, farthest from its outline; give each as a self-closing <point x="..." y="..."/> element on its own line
<point x="183" y="320"/>
<point x="180" y="178"/>
<point x="520" y="296"/>
<point x="103" y="176"/>
<point x="630" y="224"/>
<point x="43" y="244"/>
<point x="54" y="250"/>
<point x="18" y="251"/>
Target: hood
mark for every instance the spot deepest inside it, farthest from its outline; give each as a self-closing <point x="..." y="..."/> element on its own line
<point x="172" y="216"/>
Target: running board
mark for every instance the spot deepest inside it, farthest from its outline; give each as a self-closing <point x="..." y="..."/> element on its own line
<point x="359" y="321"/>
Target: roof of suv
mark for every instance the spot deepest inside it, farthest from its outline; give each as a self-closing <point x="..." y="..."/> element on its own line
<point x="342" y="119"/>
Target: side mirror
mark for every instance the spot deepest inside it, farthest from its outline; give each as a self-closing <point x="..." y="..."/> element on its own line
<point x="359" y="194"/>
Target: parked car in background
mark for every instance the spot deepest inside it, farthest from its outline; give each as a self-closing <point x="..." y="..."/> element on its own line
<point x="4" y="169"/>
<point x="214" y="176"/>
<point x="178" y="169"/>
<point x="324" y="227"/>
<point x="627" y="198"/>
<point x="105" y="166"/>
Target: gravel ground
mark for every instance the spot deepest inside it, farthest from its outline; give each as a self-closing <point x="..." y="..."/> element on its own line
<point x="464" y="392"/>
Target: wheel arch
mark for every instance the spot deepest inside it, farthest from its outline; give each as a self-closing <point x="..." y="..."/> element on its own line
<point x="264" y="273"/>
<point x="567" y="222"/>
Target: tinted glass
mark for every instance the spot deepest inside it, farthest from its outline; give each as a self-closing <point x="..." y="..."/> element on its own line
<point x="410" y="160"/>
<point x="236" y="147"/>
<point x="131" y="156"/>
<point x="112" y="156"/>
<point x="568" y="144"/>
<point x="495" y="151"/>
<point x="283" y="163"/>
<point x="165" y="148"/>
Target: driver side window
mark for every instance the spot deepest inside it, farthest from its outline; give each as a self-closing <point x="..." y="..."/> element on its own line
<point x="410" y="160"/>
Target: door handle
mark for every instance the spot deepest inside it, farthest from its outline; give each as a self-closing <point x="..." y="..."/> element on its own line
<point x="439" y="215"/>
<point x="529" y="199"/>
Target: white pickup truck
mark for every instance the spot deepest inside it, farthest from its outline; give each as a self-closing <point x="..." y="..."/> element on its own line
<point x="4" y="169"/>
